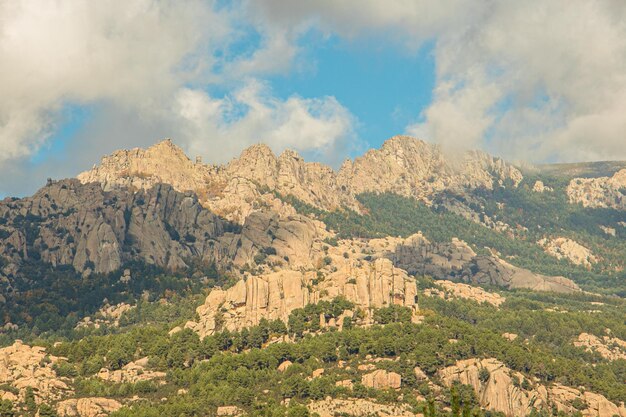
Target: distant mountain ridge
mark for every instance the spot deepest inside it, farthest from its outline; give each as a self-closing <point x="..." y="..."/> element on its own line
<point x="403" y="165"/>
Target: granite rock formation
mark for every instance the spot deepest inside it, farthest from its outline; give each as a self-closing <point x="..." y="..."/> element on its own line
<point x="403" y="165"/>
<point x="275" y="295"/>
<point x="599" y="192"/>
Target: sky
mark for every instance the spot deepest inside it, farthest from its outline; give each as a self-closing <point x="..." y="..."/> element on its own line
<point x="535" y="81"/>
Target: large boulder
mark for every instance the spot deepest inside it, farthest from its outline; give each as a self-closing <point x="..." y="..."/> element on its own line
<point x="381" y="379"/>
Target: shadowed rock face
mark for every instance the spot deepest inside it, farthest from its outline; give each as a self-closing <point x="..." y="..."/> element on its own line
<point x="68" y="223"/>
<point x="456" y="261"/>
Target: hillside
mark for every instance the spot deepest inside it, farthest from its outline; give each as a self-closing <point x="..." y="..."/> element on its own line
<point x="407" y="282"/>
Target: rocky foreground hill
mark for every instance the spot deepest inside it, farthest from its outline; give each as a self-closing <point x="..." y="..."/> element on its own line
<point x="406" y="282"/>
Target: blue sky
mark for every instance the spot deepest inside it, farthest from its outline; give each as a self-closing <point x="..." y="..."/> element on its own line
<point x="385" y="87"/>
<point x="527" y="81"/>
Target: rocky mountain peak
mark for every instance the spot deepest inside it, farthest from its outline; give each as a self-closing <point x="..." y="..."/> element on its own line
<point x="403" y="165"/>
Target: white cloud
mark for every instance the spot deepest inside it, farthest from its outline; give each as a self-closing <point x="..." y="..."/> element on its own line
<point x="220" y="128"/>
<point x="138" y="64"/>
<point x="133" y="53"/>
<point x="528" y="79"/>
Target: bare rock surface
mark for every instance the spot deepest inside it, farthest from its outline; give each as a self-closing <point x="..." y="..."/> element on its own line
<point x="275" y="295"/>
<point x="467" y="292"/>
<point x="562" y="247"/>
<point x="23" y="366"/>
<point x="607" y="192"/>
<point x="108" y="315"/>
<point x="540" y="187"/>
<point x="381" y="379"/>
<point x="610" y="348"/>
<point x="96" y="231"/>
<point x="403" y="165"/>
<point x="132" y="372"/>
<point x="596" y="405"/>
<point x="457" y="261"/>
<point x="87" y="407"/>
<point x="501" y="389"/>
<point x="497" y="392"/>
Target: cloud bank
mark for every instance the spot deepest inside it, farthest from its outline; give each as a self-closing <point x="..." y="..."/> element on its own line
<point x="144" y="68"/>
<point x="530" y="80"/>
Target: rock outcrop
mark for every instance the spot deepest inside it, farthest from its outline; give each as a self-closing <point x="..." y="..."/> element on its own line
<point x="70" y="223"/>
<point x="495" y="390"/>
<point x="87" y="407"/>
<point x="381" y="379"/>
<point x="411" y="167"/>
<point x="610" y="348"/>
<point x="562" y="247"/>
<point x="131" y="372"/>
<point x="464" y="291"/>
<point x="275" y="295"/>
<point x="540" y="187"/>
<point x="23" y="366"/>
<point x="108" y="315"/>
<point x="599" y="192"/>
<point x="456" y="261"/>
<point x="499" y="388"/>
<point x="403" y="165"/>
<point x="595" y="405"/>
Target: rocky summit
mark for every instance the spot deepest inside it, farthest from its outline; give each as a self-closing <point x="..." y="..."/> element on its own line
<point x="408" y="282"/>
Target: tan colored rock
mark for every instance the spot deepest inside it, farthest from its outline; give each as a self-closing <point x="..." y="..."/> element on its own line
<point x="229" y="410"/>
<point x="411" y="167"/>
<point x="464" y="291"/>
<point x="599" y="192"/>
<point x="419" y="374"/>
<point x="510" y="336"/>
<point x="284" y="366"/>
<point x="346" y="383"/>
<point x="107" y="315"/>
<point x="163" y="162"/>
<point x="497" y="392"/>
<point x="23" y="366"/>
<point x="358" y="407"/>
<point x="403" y="165"/>
<point x="368" y="285"/>
<point x="610" y="348"/>
<point x="87" y="407"/>
<point x="569" y="249"/>
<point x="381" y="379"/>
<point x="317" y="373"/>
<point x="132" y="372"/>
<point x="540" y="187"/>
<point x="597" y="405"/>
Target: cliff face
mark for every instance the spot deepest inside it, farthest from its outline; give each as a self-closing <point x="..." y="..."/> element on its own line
<point x="599" y="192"/>
<point x="275" y="295"/>
<point x="68" y="223"/>
<point x="497" y="391"/>
<point x="411" y="167"/>
<point x="456" y="261"/>
<point x="163" y="162"/>
<point x="403" y="165"/>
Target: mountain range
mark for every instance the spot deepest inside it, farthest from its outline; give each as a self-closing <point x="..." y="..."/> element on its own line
<point x="125" y="288"/>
